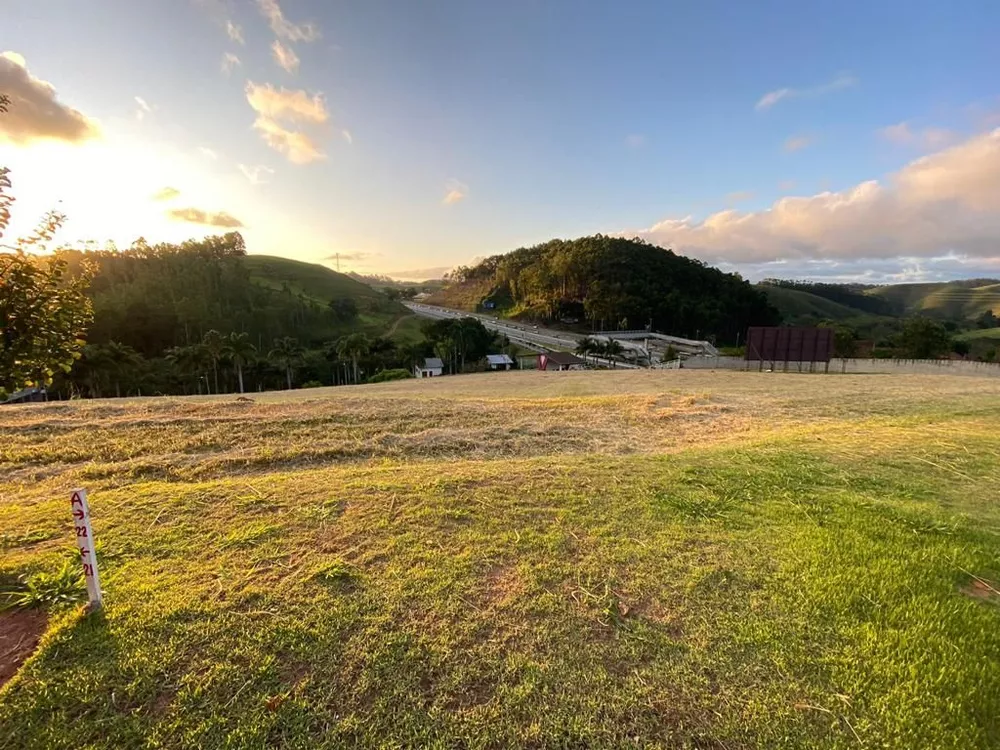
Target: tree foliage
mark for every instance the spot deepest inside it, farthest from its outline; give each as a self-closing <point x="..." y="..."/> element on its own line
<point x="922" y="338"/>
<point x="459" y="340"/>
<point x="44" y="310"/>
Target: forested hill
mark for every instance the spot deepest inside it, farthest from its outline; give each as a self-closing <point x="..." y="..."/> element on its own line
<point x="152" y="298"/>
<point x="611" y="282"/>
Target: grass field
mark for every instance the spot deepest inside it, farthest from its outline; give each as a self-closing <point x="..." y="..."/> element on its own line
<point x="644" y="559"/>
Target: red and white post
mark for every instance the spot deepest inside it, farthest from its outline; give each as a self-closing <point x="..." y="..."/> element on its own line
<point x="85" y="543"/>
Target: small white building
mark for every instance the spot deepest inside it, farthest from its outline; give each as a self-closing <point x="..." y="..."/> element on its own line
<point x="433" y="367"/>
<point x="499" y="362"/>
<point x="559" y="361"/>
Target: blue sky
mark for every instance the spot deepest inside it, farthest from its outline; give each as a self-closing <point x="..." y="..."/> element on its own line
<point x="842" y="140"/>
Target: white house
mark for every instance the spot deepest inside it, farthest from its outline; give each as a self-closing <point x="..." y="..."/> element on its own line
<point x="499" y="362"/>
<point x="433" y="367"/>
<point x="559" y="361"/>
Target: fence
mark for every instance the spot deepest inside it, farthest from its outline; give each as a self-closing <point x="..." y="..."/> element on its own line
<point x="850" y="366"/>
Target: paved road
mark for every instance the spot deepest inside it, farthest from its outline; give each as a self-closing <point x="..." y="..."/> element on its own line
<point x="530" y="337"/>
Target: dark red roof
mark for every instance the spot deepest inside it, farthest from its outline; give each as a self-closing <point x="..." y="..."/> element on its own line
<point x="563" y="358"/>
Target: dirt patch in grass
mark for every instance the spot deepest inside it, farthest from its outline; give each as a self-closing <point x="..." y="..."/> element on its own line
<point x="20" y="631"/>
<point x="977" y="588"/>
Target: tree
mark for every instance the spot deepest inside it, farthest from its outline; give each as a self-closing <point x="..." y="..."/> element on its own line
<point x="344" y="309"/>
<point x="613" y="349"/>
<point x="586" y="346"/>
<point x="961" y="348"/>
<point x="44" y="312"/>
<point x="353" y="347"/>
<point x="845" y="340"/>
<point x="240" y="352"/>
<point x="119" y="360"/>
<point x="922" y="338"/>
<point x="987" y="320"/>
<point x="287" y="353"/>
<point x="215" y="346"/>
<point x="445" y="350"/>
<point x="189" y="360"/>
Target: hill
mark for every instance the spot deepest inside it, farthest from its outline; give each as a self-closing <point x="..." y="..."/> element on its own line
<point x="516" y="560"/>
<point x="152" y="298"/>
<point x="955" y="300"/>
<point x="611" y="282"/>
<point x="165" y="317"/>
<point x="321" y="285"/>
<point x="799" y="306"/>
<point x="318" y="283"/>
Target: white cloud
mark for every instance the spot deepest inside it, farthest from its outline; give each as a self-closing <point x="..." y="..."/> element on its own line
<point x="207" y="153"/>
<point x="947" y="203"/>
<point x="143" y="110"/>
<point x="285" y="56"/>
<point x="230" y="61"/>
<point x="298" y="147"/>
<point x="798" y="142"/>
<point x="255" y="174"/>
<point x="773" y="97"/>
<point x="420" y="274"/>
<point x="902" y="134"/>
<point x="35" y="113"/>
<point x="455" y="191"/>
<point x="166" y="194"/>
<point x="285" y="104"/>
<point x="274" y="105"/>
<point x="205" y="218"/>
<point x="235" y="32"/>
<point x="285" y="29"/>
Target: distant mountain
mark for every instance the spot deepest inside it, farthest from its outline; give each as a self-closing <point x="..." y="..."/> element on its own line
<point x="955" y="300"/>
<point x="380" y="281"/>
<point x="961" y="302"/>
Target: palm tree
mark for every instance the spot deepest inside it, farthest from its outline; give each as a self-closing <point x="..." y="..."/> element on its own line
<point x="118" y="359"/>
<point x="354" y="347"/>
<point x="240" y="352"/>
<point x="613" y="349"/>
<point x="215" y="345"/>
<point x="286" y="352"/>
<point x="189" y="360"/>
<point x="586" y="346"/>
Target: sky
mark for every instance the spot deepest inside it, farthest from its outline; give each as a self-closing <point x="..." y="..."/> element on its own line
<point x="838" y="141"/>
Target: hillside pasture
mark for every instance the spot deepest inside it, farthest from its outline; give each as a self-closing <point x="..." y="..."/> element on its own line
<point x="589" y="559"/>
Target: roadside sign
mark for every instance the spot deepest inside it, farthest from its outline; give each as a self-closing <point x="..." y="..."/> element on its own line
<point x="85" y="543"/>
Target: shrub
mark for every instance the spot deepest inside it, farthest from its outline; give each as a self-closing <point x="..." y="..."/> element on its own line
<point x="45" y="589"/>
<point x="387" y="375"/>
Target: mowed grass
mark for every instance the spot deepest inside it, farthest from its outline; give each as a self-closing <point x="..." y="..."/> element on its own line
<point x="616" y="559"/>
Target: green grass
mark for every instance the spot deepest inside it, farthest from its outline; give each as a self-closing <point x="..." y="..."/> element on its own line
<point x="316" y="282"/>
<point x="606" y="559"/>
<point x="987" y="334"/>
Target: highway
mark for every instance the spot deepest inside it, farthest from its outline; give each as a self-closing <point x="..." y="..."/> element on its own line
<point x="529" y="337"/>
